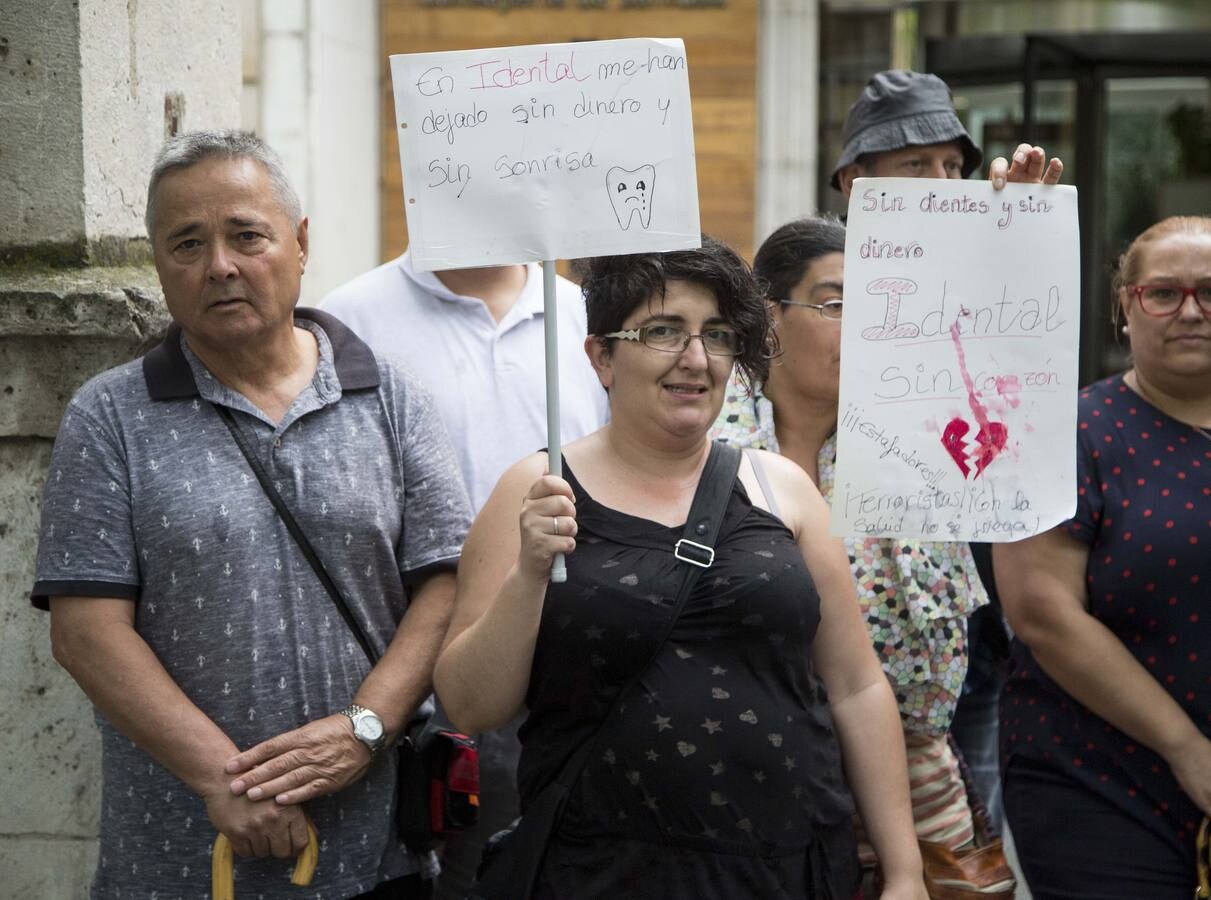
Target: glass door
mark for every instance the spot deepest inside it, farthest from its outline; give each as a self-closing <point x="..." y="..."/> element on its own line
<point x="1156" y="163"/>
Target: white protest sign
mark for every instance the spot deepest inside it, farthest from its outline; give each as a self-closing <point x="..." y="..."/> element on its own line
<point x="551" y="151"/>
<point x="957" y="416"/>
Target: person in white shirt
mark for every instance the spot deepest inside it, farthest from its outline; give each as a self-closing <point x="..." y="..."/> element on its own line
<point x="474" y="337"/>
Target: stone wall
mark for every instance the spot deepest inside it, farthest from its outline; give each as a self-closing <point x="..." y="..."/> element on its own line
<point x="41" y="163"/>
<point x="88" y="91"/>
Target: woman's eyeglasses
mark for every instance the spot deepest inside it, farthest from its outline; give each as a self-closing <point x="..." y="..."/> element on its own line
<point x="671" y="339"/>
<point x="1163" y="300"/>
<point x="829" y="309"/>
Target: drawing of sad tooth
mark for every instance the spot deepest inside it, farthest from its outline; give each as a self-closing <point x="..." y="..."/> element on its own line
<point x="631" y="194"/>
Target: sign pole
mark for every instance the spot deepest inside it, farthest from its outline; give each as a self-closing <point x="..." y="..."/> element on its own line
<point x="559" y="572"/>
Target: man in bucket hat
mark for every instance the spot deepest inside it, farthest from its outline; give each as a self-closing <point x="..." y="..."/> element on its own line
<point x="904" y="125"/>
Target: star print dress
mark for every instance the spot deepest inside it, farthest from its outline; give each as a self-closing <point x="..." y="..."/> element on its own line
<point x="719" y="774"/>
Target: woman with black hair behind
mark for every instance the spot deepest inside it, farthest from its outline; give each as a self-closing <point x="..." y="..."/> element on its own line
<point x="719" y="773"/>
<point x="1107" y="709"/>
<point x="915" y="596"/>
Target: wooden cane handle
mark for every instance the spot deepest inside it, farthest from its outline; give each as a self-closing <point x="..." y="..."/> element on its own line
<point x="222" y="865"/>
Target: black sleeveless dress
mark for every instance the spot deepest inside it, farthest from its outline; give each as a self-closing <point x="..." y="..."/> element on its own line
<point x="719" y="775"/>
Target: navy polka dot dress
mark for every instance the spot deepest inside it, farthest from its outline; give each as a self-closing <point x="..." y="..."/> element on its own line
<point x="1144" y="510"/>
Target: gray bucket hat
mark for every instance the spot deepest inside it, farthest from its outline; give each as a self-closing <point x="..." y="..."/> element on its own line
<point x="900" y="109"/>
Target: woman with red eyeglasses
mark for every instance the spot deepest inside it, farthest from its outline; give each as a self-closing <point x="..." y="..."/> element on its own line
<point x="1106" y="714"/>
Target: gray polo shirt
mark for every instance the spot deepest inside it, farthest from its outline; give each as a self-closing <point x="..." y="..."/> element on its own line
<point x="149" y="499"/>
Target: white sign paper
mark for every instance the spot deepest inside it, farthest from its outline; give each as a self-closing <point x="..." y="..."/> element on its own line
<point x="551" y="151"/>
<point x="957" y="416"/>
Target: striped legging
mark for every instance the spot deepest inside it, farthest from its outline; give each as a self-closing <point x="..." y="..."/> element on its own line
<point x="939" y="798"/>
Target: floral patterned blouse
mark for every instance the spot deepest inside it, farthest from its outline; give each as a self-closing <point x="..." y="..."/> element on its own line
<point x="916" y="595"/>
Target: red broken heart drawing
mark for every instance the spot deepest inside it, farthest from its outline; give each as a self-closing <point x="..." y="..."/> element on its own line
<point x="990" y="439"/>
<point x="989" y="442"/>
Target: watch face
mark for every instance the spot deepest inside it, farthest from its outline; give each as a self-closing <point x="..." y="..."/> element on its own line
<point x="369" y="728"/>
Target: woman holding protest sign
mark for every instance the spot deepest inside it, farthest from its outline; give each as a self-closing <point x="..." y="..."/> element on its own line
<point x="676" y="681"/>
<point x="916" y="596"/>
<point x="1106" y="712"/>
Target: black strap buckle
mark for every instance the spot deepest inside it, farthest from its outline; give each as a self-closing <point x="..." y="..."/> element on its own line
<point x="694" y="553"/>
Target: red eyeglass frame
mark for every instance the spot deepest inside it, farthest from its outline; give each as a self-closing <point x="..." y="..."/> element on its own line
<point x="1187" y="291"/>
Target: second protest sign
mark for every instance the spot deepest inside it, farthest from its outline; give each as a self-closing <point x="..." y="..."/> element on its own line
<point x="957" y="416"/>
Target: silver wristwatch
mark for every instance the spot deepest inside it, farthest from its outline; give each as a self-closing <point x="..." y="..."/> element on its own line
<point x="367" y="726"/>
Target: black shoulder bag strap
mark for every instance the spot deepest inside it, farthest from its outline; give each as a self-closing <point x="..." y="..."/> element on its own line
<point x="296" y="532"/>
<point x="413" y="816"/>
<point x="513" y="874"/>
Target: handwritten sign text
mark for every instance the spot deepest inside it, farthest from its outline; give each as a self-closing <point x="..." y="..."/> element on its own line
<point x="959" y="361"/>
<point x="550" y="151"/>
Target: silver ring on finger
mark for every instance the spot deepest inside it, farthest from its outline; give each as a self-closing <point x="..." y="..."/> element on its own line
<point x="555" y="520"/>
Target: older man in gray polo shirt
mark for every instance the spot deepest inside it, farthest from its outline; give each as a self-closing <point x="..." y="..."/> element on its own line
<point x="231" y="695"/>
